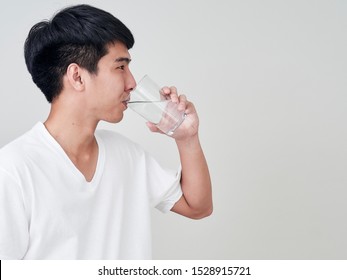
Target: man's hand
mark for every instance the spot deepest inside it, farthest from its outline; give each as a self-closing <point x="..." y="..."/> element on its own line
<point x="190" y="126"/>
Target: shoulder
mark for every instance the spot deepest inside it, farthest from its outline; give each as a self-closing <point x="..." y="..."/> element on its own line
<point x="20" y="148"/>
<point x="13" y="149"/>
<point x="115" y="141"/>
<point x="114" y="138"/>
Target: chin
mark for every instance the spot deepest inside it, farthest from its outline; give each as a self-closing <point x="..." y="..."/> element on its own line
<point x="115" y="120"/>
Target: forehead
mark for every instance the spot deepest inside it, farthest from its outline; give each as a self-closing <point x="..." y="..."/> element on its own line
<point x="117" y="50"/>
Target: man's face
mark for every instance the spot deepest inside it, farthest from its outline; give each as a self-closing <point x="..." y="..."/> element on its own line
<point x="109" y="89"/>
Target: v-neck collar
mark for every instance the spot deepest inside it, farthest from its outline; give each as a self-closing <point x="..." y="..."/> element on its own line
<point x="78" y="174"/>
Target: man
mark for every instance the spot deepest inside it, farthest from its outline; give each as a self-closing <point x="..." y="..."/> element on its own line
<point x="69" y="191"/>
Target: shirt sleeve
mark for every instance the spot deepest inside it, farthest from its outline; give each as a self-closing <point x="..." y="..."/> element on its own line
<point x="172" y="194"/>
<point x="14" y="234"/>
<point x="164" y="185"/>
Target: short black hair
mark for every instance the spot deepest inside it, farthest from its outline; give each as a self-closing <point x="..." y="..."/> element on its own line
<point x="78" y="34"/>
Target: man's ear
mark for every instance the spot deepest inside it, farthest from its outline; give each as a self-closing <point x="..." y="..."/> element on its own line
<point x="75" y="76"/>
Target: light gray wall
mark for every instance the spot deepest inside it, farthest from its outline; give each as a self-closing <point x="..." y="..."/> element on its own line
<point x="269" y="81"/>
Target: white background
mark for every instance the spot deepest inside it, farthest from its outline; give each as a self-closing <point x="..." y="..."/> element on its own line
<point x="269" y="81"/>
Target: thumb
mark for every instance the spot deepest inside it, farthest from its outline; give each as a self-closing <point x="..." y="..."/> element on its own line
<point x="152" y="127"/>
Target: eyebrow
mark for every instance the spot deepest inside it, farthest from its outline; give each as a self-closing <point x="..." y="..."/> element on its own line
<point x="123" y="59"/>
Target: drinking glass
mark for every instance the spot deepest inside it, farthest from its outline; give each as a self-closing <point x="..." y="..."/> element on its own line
<point x="148" y="101"/>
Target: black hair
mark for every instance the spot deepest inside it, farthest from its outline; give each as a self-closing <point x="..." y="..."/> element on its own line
<point x="77" y="34"/>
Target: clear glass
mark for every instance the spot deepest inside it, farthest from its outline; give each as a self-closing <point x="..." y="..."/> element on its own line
<point x="146" y="100"/>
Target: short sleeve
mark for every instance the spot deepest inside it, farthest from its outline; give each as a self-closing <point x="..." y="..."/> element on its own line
<point x="164" y="185"/>
<point x="14" y="234"/>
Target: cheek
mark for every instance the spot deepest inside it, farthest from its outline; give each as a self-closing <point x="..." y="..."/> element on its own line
<point x="110" y="85"/>
<point x="117" y="88"/>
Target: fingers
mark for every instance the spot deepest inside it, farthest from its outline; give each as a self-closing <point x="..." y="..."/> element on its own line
<point x="190" y="109"/>
<point x="183" y="103"/>
<point x="152" y="127"/>
<point x="170" y="93"/>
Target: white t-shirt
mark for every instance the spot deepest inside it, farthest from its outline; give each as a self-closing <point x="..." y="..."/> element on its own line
<point x="49" y="211"/>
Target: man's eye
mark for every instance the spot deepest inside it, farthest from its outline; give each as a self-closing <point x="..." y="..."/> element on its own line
<point x="121" y="67"/>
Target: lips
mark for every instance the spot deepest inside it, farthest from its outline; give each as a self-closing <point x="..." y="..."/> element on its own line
<point x="125" y="102"/>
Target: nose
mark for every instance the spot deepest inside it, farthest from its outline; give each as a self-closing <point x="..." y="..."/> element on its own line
<point x="130" y="82"/>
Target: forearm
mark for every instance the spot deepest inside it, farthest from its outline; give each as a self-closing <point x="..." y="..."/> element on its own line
<point x="195" y="180"/>
<point x="196" y="201"/>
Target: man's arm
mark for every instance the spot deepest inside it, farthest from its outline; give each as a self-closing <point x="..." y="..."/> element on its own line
<point x="196" y="201"/>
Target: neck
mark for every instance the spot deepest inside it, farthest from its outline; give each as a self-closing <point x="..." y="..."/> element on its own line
<point x="71" y="129"/>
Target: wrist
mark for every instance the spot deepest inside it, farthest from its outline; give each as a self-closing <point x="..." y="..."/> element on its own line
<point x="192" y="143"/>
